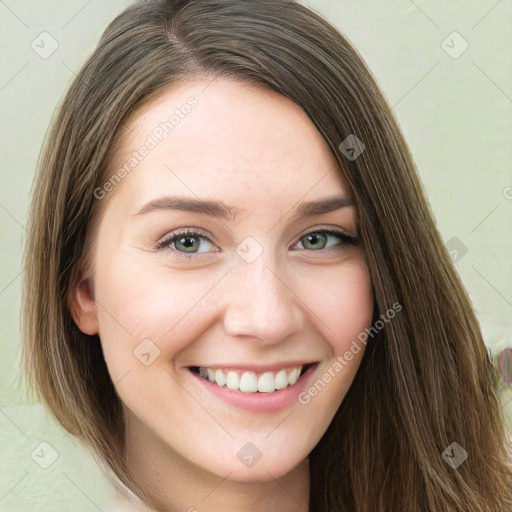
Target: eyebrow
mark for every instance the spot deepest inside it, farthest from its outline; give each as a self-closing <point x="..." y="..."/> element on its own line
<point x="220" y="209"/>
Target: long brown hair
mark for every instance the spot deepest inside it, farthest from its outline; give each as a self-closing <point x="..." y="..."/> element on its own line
<point x="425" y="380"/>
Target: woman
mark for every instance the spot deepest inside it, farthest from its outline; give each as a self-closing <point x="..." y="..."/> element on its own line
<point x="179" y="317"/>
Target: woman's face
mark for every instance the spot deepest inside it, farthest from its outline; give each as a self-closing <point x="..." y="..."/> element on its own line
<point x="252" y="297"/>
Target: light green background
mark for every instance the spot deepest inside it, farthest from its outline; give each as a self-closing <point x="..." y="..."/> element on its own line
<point x="455" y="114"/>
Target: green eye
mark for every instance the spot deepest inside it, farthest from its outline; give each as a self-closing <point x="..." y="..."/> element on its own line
<point x="187" y="243"/>
<point x="315" y="238"/>
<point x="184" y="242"/>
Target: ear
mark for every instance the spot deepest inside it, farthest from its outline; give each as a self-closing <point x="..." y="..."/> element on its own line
<point x="83" y="306"/>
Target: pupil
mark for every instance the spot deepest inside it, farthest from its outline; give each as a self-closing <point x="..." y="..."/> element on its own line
<point x="184" y="240"/>
<point x="313" y="239"/>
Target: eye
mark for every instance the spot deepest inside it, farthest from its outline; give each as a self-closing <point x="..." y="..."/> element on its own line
<point x="187" y="242"/>
<point x="320" y="237"/>
<point x="184" y="242"/>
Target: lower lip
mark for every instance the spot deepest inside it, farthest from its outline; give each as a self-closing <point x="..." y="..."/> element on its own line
<point x="258" y="402"/>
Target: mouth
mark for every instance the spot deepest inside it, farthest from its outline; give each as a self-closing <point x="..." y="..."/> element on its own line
<point x="255" y="382"/>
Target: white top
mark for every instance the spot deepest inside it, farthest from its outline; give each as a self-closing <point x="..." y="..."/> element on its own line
<point x="126" y="501"/>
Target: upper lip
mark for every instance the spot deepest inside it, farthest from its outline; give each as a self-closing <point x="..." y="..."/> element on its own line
<point x="256" y="367"/>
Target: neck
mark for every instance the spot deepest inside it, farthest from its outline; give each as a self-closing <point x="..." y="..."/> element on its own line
<point x="181" y="486"/>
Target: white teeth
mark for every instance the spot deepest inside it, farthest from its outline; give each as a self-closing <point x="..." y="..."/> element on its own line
<point x="281" y="380"/>
<point x="249" y="382"/>
<point x="220" y="378"/>
<point x="232" y="381"/>
<point x="293" y="376"/>
<point x="266" y="383"/>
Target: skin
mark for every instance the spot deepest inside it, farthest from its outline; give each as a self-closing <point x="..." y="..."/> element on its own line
<point x="255" y="150"/>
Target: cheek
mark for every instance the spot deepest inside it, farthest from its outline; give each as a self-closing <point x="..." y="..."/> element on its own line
<point x="139" y="302"/>
<point x="344" y="304"/>
<point x="346" y="310"/>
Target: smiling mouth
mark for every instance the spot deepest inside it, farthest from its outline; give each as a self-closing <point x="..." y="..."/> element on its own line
<point x="250" y="381"/>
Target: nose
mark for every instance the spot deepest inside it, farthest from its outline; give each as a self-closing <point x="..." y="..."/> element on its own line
<point x="260" y="302"/>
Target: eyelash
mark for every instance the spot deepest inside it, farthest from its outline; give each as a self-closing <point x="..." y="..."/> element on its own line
<point x="172" y="238"/>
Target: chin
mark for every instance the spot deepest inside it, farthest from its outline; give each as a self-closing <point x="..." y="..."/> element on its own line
<point x="261" y="473"/>
<point x="266" y="469"/>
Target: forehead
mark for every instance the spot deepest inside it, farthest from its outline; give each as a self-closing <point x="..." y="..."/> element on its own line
<point x="226" y="139"/>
